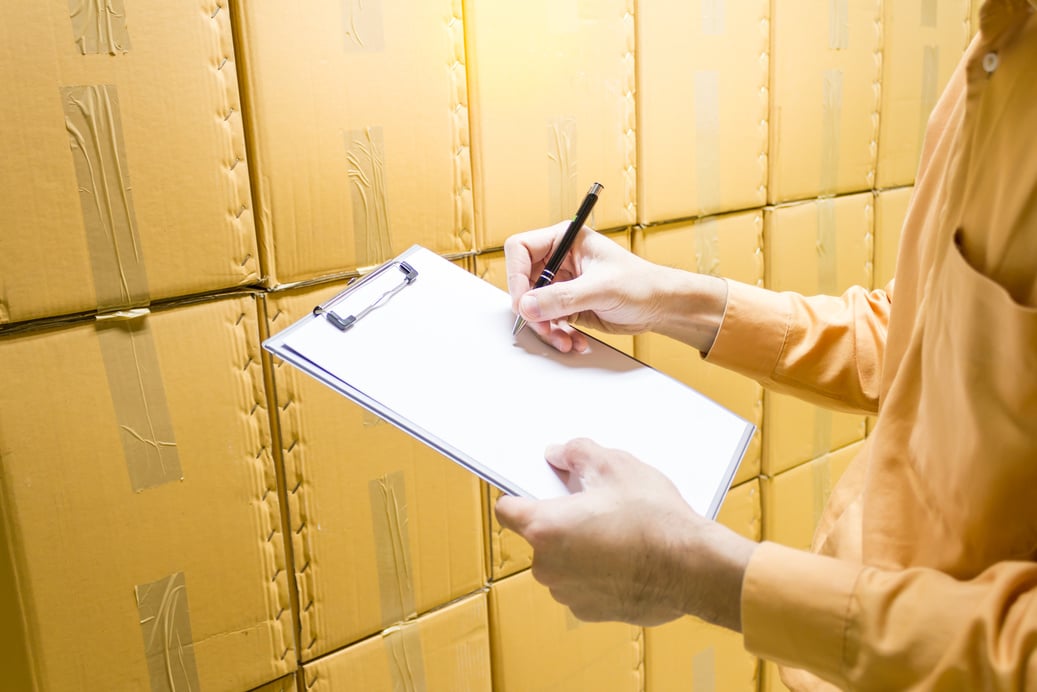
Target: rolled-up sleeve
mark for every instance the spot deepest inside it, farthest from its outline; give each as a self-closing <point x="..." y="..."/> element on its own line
<point x="864" y="628"/>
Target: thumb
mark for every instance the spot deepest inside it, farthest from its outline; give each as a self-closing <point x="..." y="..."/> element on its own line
<point x="559" y="300"/>
<point x="581" y="458"/>
<point x="514" y="512"/>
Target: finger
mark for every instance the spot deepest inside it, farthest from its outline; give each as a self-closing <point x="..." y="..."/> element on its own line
<point x="522" y="252"/>
<point x="561" y="300"/>
<point x="582" y="458"/>
<point x="514" y="512"/>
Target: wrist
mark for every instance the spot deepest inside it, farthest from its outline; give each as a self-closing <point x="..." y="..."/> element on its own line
<point x="714" y="562"/>
<point x="690" y="307"/>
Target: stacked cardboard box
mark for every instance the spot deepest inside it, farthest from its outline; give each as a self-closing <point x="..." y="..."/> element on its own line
<point x="229" y="523"/>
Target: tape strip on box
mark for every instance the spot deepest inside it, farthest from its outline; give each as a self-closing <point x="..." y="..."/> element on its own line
<point x="930" y="14"/>
<point x="392" y="544"/>
<point x="406" y="661"/>
<point x="828" y="284"/>
<point x="364" y="27"/>
<point x="714" y="15"/>
<point x="707" y="247"/>
<point x="704" y="670"/>
<point x="707" y="137"/>
<point x="930" y="91"/>
<point x="365" y="160"/>
<point x="165" y="623"/>
<point x="139" y="399"/>
<point x="99" y="156"/>
<point x="562" y="181"/>
<point x="831" y="117"/>
<point x="838" y="24"/>
<point x="821" y="474"/>
<point x="99" y="26"/>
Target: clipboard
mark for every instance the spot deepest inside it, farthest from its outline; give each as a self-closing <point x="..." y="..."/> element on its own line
<point x="408" y="341"/>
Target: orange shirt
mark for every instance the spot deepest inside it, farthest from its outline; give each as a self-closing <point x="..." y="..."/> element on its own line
<point x="924" y="574"/>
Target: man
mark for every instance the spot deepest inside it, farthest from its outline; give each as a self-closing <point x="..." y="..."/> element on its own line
<point x="924" y="574"/>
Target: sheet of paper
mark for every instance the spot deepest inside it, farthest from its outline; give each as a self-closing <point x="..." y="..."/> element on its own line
<point x="437" y="358"/>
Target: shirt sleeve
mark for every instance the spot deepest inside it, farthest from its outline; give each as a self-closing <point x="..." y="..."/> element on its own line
<point x="863" y="628"/>
<point x="825" y="349"/>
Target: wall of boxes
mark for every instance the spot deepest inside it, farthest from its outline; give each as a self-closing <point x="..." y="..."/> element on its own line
<point x="182" y="179"/>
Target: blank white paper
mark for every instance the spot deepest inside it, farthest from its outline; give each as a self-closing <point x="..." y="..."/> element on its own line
<point x="438" y="360"/>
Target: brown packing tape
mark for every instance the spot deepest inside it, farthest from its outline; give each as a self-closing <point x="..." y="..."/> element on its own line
<point x="562" y="182"/>
<point x="392" y="544"/>
<point x="707" y="137"/>
<point x="139" y="399"/>
<point x="713" y="17"/>
<point x="838" y="24"/>
<point x="99" y="156"/>
<point x="165" y="623"/>
<point x="406" y="661"/>
<point x="821" y="474"/>
<point x="930" y="91"/>
<point x="930" y="13"/>
<point x="831" y="116"/>
<point x="707" y="247"/>
<point x="99" y="26"/>
<point x="704" y="670"/>
<point x="827" y="283"/>
<point x="365" y="159"/>
<point x="363" y="25"/>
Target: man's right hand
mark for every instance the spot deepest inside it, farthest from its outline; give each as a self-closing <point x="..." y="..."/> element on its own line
<point x="602" y="286"/>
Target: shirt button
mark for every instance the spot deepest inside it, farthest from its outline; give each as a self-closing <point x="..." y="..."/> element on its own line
<point x="990" y="62"/>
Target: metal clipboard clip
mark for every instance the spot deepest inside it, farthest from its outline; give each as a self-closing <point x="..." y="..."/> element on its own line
<point x="410" y="275"/>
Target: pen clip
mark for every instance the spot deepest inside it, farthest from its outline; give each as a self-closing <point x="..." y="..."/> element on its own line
<point x="410" y="275"/>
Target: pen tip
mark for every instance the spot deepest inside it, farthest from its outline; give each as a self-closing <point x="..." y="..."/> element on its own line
<point x="519" y="324"/>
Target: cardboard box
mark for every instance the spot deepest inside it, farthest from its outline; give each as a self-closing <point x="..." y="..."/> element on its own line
<point x="551" y="84"/>
<point x="793" y="501"/>
<point x="890" y="212"/>
<point x="142" y="532"/>
<point x="537" y="644"/>
<point x="383" y="527"/>
<point x="770" y="680"/>
<point x="358" y="132"/>
<point x="448" y="649"/>
<point x="825" y="69"/>
<point x="123" y="157"/>
<point x="818" y="247"/>
<point x="689" y="654"/>
<point x="702" y="96"/>
<point x="974" y="16"/>
<point x="285" y="684"/>
<point x="922" y="43"/>
<point x="730" y="246"/>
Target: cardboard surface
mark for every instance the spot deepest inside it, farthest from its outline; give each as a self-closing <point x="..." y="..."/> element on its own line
<point x="537" y="644"/>
<point x="124" y="158"/>
<point x="825" y="70"/>
<point x="689" y="654"/>
<point x="729" y="246"/>
<point x="702" y="97"/>
<point x="383" y="528"/>
<point x="447" y="649"/>
<point x="890" y="212"/>
<point x="111" y="584"/>
<point x="819" y="247"/>
<point x="922" y="43"/>
<point x="794" y="500"/>
<point x="358" y="132"/>
<point x="552" y="110"/>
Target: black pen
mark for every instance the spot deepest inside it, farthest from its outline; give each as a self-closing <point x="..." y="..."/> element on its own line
<point x="558" y="256"/>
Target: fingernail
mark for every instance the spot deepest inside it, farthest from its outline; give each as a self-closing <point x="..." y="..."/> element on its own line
<point x="552" y="450"/>
<point x="529" y="308"/>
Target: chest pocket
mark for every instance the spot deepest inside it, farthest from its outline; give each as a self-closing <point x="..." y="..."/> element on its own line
<point x="978" y="412"/>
